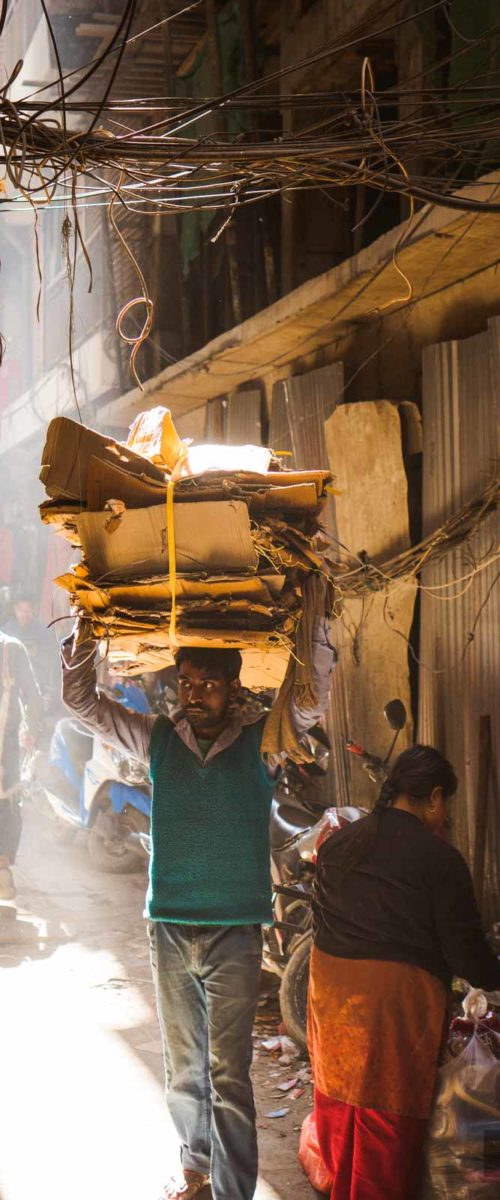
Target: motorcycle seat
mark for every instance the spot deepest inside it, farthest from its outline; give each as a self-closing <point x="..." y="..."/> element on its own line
<point x="287" y="822"/>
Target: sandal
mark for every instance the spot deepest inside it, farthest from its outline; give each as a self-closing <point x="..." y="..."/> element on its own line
<point x="184" y="1186"/>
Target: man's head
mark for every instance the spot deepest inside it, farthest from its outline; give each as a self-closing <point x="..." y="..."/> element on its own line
<point x="208" y="683"/>
<point x="24" y="612"/>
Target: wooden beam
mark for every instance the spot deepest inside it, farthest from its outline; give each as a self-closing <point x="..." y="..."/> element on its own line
<point x="250" y="57"/>
<point x="104" y="32"/>
<point x="214" y="56"/>
<point x="220" y="123"/>
<point x="262" y="224"/>
<point x="482" y="806"/>
<point x="164" y="10"/>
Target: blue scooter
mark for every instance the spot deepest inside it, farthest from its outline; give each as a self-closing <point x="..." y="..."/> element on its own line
<point x="88" y="784"/>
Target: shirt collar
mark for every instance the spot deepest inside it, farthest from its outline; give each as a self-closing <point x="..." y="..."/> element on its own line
<point x="239" y="719"/>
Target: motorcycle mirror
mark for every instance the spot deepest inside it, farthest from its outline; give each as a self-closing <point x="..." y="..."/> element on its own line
<point x="318" y="734"/>
<point x="317" y="743"/>
<point x="395" y="714"/>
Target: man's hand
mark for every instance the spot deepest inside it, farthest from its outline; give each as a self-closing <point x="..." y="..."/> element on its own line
<point x="82" y="629"/>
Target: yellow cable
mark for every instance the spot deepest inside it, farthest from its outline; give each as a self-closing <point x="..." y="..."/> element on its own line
<point x="172" y="566"/>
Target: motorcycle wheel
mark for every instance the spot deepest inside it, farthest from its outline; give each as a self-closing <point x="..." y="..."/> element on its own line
<point x="293" y="991"/>
<point x="108" y="848"/>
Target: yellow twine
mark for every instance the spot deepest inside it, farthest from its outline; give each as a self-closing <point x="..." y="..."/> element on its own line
<point x="172" y="565"/>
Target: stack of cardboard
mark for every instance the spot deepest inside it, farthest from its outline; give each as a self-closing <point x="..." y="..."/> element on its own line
<point x="245" y="540"/>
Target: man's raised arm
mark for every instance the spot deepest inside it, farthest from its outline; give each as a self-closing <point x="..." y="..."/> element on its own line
<point x="291" y="716"/>
<point x="126" y="730"/>
<point x="324" y="657"/>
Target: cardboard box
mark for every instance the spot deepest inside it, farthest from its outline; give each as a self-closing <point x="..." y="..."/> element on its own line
<point x="66" y="455"/>
<point x="209" y="537"/>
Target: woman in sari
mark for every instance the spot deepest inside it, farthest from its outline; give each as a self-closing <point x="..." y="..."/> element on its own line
<point x="395" y="918"/>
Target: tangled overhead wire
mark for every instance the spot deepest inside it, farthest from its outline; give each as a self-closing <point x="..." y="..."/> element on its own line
<point x="367" y="577"/>
<point x="74" y="143"/>
<point x="164" y="171"/>
<point x="48" y="141"/>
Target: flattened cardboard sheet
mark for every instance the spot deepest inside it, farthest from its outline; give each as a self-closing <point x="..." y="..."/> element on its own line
<point x="66" y="455"/>
<point x="106" y="481"/>
<point x="298" y="496"/>
<point x="209" y="537"/>
<point x="156" y="593"/>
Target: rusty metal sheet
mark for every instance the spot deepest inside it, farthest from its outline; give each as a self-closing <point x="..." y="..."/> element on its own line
<point x="243" y="418"/>
<point x="460" y="644"/>
<point x="280" y="437"/>
<point x="214" y="421"/>
<point x="300" y="407"/>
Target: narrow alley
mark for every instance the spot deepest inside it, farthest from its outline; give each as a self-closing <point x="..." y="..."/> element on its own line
<point x="81" y="1103"/>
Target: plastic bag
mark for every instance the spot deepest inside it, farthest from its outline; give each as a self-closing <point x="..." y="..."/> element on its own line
<point x="153" y="434"/>
<point x="310" y="1157"/>
<point x="463" y="1148"/>
<point x="207" y="457"/>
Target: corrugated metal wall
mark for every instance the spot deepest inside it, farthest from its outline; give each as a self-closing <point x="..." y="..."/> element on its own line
<point x="300" y="408"/>
<point x="460" y="626"/>
<point x="243" y="418"/>
<point x="236" y="419"/>
<point x="214" y="421"/>
<point x="280" y="438"/>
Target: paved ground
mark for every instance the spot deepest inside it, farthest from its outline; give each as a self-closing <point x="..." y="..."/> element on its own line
<point x="81" y="1088"/>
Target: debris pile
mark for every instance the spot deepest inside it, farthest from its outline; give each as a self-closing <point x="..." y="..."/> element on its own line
<point x="184" y="545"/>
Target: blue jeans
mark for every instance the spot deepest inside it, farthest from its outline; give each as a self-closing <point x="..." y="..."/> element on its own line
<point x="207" y="986"/>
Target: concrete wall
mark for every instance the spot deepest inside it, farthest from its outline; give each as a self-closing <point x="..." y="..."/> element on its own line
<point x="382" y="356"/>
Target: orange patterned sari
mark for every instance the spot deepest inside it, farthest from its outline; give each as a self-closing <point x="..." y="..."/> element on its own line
<point x="375" y="1032"/>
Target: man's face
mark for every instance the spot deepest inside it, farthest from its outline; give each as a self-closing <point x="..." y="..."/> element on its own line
<point x="205" y="697"/>
<point x="24" y="612"/>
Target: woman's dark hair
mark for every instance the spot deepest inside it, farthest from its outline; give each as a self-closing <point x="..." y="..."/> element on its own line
<point x="222" y="662"/>
<point x="416" y="772"/>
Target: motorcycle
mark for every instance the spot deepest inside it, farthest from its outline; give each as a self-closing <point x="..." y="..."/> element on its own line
<point x="295" y="841"/>
<point x="117" y="808"/>
<point x="83" y="782"/>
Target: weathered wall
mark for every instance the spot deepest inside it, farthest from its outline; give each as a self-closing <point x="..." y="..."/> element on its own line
<point x="382" y="356"/>
<point x="459" y="650"/>
<point x="371" y="514"/>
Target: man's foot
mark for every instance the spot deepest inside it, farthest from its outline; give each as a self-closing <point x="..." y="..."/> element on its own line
<point x="7" y="887"/>
<point x="184" y="1186"/>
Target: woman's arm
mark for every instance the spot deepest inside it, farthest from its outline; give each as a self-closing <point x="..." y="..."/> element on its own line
<point x="459" y="927"/>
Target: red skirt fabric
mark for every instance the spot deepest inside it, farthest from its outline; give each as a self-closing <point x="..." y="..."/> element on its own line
<point x="371" y="1155"/>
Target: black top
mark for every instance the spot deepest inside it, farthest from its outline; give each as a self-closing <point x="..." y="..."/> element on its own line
<point x="411" y="900"/>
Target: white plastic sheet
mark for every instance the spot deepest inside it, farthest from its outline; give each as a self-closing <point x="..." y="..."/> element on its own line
<point x="463" y="1151"/>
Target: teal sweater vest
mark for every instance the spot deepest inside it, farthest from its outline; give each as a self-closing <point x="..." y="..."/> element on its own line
<point x="209" y="832"/>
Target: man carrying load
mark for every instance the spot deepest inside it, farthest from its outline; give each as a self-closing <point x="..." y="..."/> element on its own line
<point x="209" y="890"/>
